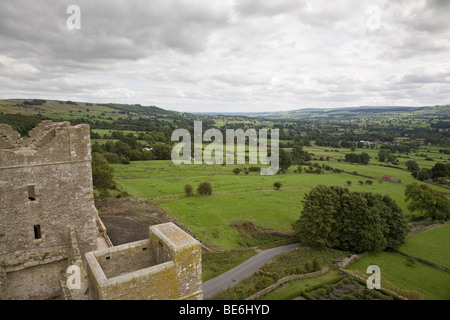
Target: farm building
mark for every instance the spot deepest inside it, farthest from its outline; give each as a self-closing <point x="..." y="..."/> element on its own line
<point x="391" y="179"/>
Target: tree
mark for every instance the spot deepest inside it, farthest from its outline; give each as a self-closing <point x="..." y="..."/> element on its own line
<point x="162" y="151"/>
<point x="353" y="221"/>
<point x="364" y="158"/>
<point x="204" y="189"/>
<point x="412" y="166"/>
<point x="423" y="174"/>
<point x="359" y="224"/>
<point x="352" y="158"/>
<point x="236" y="171"/>
<point x="188" y="189"/>
<point x="348" y="182"/>
<point x="285" y="160"/>
<point x="440" y="170"/>
<point x="123" y="149"/>
<point x="383" y="154"/>
<point x="317" y="220"/>
<point x="395" y="233"/>
<point x="102" y="174"/>
<point x="277" y="185"/>
<point x="299" y="156"/>
<point x="427" y="201"/>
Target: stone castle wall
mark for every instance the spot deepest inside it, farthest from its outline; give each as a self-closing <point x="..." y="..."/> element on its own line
<point x="166" y="266"/>
<point x="48" y="222"/>
<point x="45" y="188"/>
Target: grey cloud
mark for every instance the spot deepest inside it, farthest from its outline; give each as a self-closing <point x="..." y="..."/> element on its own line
<point x="122" y="30"/>
<point x="432" y="18"/>
<point x="426" y="77"/>
<point x="267" y="7"/>
<point x="228" y="54"/>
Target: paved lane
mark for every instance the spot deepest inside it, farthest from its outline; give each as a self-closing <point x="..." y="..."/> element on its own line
<point x="242" y="271"/>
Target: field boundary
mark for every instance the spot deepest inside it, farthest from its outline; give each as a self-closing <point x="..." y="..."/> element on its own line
<point x="287" y="279"/>
<point x="360" y="278"/>
<point x="444" y="268"/>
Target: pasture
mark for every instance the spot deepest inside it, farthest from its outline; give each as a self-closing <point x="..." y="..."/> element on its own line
<point x="243" y="197"/>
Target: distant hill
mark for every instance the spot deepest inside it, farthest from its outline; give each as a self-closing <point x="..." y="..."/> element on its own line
<point x="350" y="112"/>
<point x="66" y="110"/>
<point x="100" y="112"/>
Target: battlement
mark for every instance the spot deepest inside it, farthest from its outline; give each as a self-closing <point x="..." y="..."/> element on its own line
<point x="48" y="142"/>
<point x="165" y="266"/>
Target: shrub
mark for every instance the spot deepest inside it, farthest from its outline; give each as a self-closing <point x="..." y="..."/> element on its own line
<point x="277" y="185"/>
<point x="111" y="157"/>
<point x="236" y="171"/>
<point x="188" y="190"/>
<point x="410" y="261"/>
<point x="204" y="189"/>
<point x="317" y="264"/>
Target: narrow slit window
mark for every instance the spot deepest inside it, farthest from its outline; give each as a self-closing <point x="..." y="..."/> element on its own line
<point x="31" y="193"/>
<point x="37" y="231"/>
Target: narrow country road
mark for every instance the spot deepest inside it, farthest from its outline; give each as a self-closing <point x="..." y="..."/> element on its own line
<point x="242" y="271"/>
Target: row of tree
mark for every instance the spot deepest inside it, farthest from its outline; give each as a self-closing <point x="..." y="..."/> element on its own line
<point x="128" y="148"/>
<point x="337" y="218"/>
<point x="360" y="221"/>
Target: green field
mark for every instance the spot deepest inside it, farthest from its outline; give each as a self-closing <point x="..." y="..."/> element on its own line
<point x="243" y="197"/>
<point x="431" y="245"/>
<point x="429" y="282"/>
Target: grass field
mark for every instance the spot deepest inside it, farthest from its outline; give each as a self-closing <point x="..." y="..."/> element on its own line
<point x="431" y="245"/>
<point x="243" y="197"/>
<point x="429" y="282"/>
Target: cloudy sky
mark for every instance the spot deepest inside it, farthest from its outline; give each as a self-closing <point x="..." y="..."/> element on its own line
<point x="227" y="55"/>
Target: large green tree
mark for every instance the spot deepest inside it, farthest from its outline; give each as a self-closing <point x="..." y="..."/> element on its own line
<point x="102" y="174"/>
<point x="395" y="232"/>
<point x="285" y="159"/>
<point x="427" y="201"/>
<point x="316" y="224"/>
<point x="358" y="222"/>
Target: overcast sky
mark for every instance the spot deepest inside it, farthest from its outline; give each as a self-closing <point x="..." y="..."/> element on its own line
<point x="225" y="55"/>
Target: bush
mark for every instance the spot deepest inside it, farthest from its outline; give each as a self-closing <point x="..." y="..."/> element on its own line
<point x="236" y="171"/>
<point x="410" y="261"/>
<point x="111" y="157"/>
<point x="317" y="264"/>
<point x="188" y="190"/>
<point x="277" y="185"/>
<point x="204" y="189"/>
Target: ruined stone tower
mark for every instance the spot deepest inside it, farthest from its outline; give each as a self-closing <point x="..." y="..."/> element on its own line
<point x="167" y="265"/>
<point x="48" y="222"/>
<point x="45" y="190"/>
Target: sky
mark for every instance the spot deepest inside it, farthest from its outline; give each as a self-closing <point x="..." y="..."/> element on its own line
<point x="227" y="55"/>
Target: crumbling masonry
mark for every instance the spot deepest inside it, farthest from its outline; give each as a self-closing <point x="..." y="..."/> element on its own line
<point x="48" y="222"/>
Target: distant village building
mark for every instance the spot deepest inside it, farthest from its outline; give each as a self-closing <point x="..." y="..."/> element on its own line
<point x="391" y="179"/>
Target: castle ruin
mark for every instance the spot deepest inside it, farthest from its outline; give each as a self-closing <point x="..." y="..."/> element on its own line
<point x="48" y="222"/>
